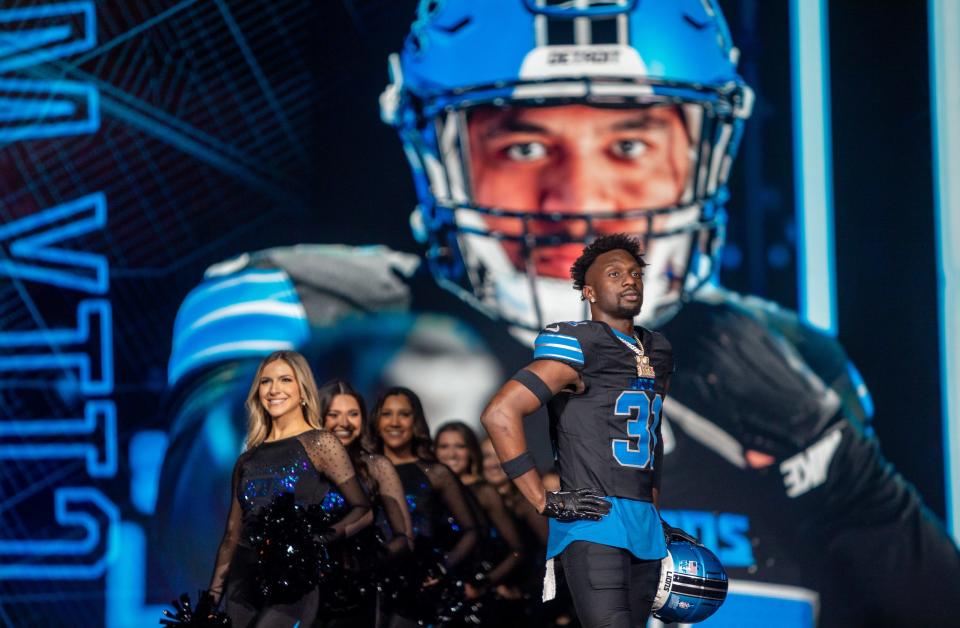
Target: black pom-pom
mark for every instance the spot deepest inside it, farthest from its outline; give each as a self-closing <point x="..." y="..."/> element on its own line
<point x="361" y="567"/>
<point x="291" y="551"/>
<point x="205" y="615"/>
<point x="424" y="590"/>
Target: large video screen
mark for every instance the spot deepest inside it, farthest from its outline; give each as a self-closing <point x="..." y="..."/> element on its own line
<point x="398" y="192"/>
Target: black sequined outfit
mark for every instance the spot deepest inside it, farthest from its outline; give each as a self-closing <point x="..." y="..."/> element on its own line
<point x="438" y="505"/>
<point x="444" y="532"/>
<point x="316" y="469"/>
<point x="500" y="548"/>
<point x="370" y="561"/>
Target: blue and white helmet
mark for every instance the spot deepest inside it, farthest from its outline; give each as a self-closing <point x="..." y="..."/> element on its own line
<point x="464" y="54"/>
<point x="693" y="582"/>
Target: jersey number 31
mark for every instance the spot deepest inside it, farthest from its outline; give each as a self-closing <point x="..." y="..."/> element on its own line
<point x="643" y="428"/>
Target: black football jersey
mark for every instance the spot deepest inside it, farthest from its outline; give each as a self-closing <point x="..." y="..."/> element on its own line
<point x="608" y="437"/>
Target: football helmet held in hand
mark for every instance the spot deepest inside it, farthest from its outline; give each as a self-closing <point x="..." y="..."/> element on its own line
<point x="693" y="582"/>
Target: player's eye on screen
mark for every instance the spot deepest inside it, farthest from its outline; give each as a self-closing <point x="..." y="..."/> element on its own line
<point x="629" y="149"/>
<point x="525" y="151"/>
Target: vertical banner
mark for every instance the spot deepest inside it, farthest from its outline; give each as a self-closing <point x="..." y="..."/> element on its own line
<point x="813" y="168"/>
<point x="944" y="25"/>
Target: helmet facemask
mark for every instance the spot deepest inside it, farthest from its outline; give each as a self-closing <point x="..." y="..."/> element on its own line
<point x="509" y="255"/>
<point x="488" y="254"/>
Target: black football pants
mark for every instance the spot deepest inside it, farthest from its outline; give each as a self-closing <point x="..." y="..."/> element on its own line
<point x="611" y="588"/>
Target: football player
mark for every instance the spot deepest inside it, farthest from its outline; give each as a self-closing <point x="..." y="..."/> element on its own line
<point x="604" y="381"/>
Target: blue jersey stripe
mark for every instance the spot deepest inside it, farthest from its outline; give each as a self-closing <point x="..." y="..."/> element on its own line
<point x="567" y="341"/>
<point x="248" y="314"/>
<point x="213" y="294"/>
<point x="554" y="345"/>
<point x="557" y="353"/>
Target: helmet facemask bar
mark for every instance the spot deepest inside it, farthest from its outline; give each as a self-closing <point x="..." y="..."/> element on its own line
<point x="475" y="270"/>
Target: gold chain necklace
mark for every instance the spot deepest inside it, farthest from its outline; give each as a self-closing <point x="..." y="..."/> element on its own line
<point x="644" y="368"/>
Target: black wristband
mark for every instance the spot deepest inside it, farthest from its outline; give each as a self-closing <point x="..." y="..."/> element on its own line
<point x="532" y="382"/>
<point x="516" y="467"/>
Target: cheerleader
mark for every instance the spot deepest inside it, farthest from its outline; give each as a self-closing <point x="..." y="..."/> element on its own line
<point x="501" y="549"/>
<point x="398" y="429"/>
<point x="353" y="600"/>
<point x="288" y="459"/>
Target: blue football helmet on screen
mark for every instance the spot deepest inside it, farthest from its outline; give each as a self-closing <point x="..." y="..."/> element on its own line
<point x="464" y="56"/>
<point x="693" y="582"/>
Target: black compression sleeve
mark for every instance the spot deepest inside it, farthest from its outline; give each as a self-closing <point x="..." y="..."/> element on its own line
<point x="532" y="382"/>
<point x="515" y="467"/>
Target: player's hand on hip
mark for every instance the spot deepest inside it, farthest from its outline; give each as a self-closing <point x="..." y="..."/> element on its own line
<point x="581" y="503"/>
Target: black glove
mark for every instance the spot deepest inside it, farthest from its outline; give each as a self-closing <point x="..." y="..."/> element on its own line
<point x="670" y="534"/>
<point x="582" y="503"/>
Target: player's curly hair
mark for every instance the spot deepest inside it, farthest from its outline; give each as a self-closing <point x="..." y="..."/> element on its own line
<point x="604" y="244"/>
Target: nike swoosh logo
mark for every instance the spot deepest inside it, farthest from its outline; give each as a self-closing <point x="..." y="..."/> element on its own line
<point x="552" y="328"/>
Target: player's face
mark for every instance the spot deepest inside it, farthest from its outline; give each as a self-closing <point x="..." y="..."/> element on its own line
<point x="279" y="389"/>
<point x="615" y="280"/>
<point x="452" y="451"/>
<point x="575" y="159"/>
<point x="492" y="472"/>
<point x="344" y="419"/>
<point x="395" y="423"/>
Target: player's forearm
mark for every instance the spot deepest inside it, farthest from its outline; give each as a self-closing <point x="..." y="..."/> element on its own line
<point x="504" y="424"/>
<point x="505" y="427"/>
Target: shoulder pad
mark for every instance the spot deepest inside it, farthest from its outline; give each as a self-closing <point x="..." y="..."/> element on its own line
<point x="568" y="327"/>
<point x="237" y="311"/>
<point x="658" y="340"/>
<point x="267" y="300"/>
<point x="660" y="350"/>
<point x="822" y="353"/>
<point x="335" y="280"/>
<point x="563" y="342"/>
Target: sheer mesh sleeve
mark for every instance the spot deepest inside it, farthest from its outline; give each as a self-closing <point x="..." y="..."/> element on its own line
<point x="231" y="536"/>
<point x="502" y="520"/>
<point x="331" y="459"/>
<point x="394" y="505"/>
<point x="533" y="519"/>
<point x="451" y="492"/>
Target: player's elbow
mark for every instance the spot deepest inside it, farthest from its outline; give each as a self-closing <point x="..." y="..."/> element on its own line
<point x="496" y="417"/>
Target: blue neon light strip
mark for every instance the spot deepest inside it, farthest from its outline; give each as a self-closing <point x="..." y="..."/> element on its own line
<point x="31" y="240"/>
<point x="944" y="25"/>
<point x="35" y="439"/>
<point x="81" y="556"/>
<point x="813" y="180"/>
<point x="42" y="41"/>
